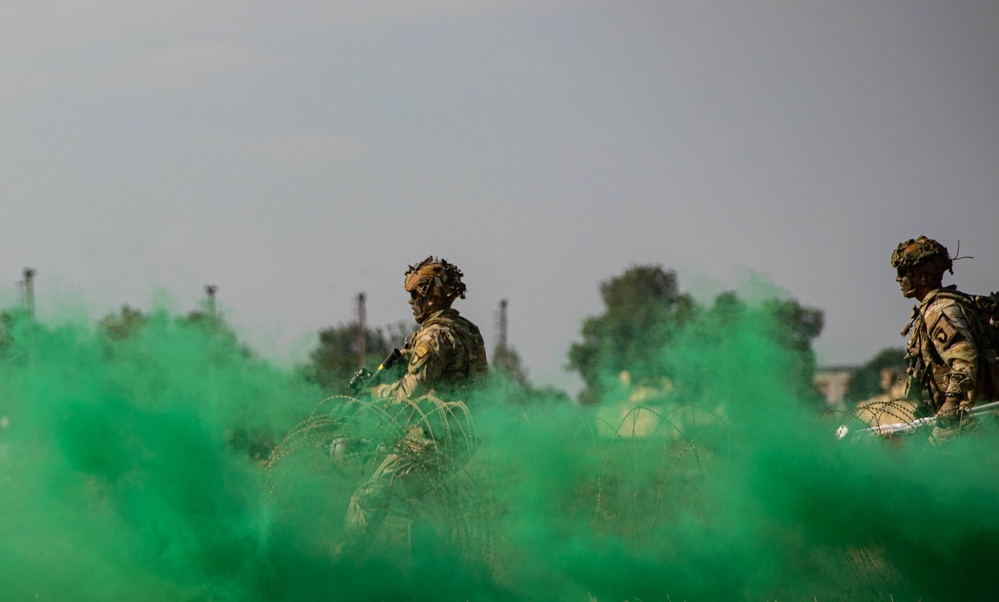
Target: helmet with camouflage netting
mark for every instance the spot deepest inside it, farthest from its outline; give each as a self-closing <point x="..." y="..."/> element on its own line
<point x="922" y="253"/>
<point x="438" y="275"/>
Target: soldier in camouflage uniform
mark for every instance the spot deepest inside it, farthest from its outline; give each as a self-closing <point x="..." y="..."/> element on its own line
<point x="444" y="356"/>
<point x="447" y="350"/>
<point x="949" y="355"/>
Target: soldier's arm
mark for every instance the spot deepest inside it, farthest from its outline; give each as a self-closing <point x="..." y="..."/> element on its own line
<point x="952" y="339"/>
<point x="430" y="354"/>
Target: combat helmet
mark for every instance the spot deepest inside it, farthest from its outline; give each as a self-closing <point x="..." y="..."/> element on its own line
<point x="923" y="253"/>
<point x="432" y="273"/>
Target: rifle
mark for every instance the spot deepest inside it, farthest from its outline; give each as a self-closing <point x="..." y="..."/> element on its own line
<point x="364" y="379"/>
<point x="906" y="427"/>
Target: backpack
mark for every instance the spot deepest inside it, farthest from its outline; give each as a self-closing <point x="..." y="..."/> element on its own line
<point x="983" y="311"/>
<point x="986" y="336"/>
<point x="988" y="312"/>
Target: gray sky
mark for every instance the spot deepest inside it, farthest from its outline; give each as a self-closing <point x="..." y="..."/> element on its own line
<point x="295" y="153"/>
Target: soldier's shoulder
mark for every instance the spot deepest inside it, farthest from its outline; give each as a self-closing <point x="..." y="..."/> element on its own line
<point x="948" y="323"/>
<point x="430" y="333"/>
<point x="469" y="325"/>
<point x="950" y="295"/>
<point x="945" y="301"/>
<point x="427" y="343"/>
<point x="436" y="337"/>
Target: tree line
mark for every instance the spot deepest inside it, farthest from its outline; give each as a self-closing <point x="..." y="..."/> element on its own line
<point x="644" y="314"/>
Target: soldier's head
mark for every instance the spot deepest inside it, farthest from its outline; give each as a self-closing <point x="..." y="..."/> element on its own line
<point x="919" y="266"/>
<point x="433" y="284"/>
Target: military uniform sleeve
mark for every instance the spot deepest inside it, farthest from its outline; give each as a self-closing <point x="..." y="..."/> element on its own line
<point x="431" y="351"/>
<point x="951" y="337"/>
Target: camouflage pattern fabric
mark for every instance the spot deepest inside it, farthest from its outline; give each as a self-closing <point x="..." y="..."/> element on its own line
<point x="435" y="273"/>
<point x="445" y="353"/>
<point x="924" y="253"/>
<point x="946" y="359"/>
<point x="401" y="474"/>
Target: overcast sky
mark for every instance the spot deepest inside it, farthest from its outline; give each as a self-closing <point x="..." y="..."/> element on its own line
<point x="296" y="153"/>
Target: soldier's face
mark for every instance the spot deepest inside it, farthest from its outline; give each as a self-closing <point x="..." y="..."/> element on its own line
<point x="915" y="284"/>
<point x="904" y="279"/>
<point x="424" y="305"/>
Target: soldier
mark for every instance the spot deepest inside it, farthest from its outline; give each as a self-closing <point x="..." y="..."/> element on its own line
<point x="444" y="356"/>
<point x="447" y="351"/>
<point x="949" y="354"/>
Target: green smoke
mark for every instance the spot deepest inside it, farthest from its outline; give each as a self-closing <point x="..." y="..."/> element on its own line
<point x="169" y="463"/>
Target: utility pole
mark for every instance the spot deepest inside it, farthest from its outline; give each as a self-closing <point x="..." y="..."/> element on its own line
<point x="362" y="319"/>
<point x="29" y="307"/>
<point x="29" y="292"/>
<point x="502" y="326"/>
<point x="212" y="309"/>
<point x="211" y="325"/>
<point x="502" y="359"/>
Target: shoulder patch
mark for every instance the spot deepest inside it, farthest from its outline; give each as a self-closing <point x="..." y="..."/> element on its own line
<point x="422" y="349"/>
<point x="944" y="331"/>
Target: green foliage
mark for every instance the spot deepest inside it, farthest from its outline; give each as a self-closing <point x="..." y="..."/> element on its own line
<point x="795" y="327"/>
<point x="643" y="313"/>
<point x="336" y="357"/>
<point x="644" y="316"/>
<point x="128" y="431"/>
<point x="746" y="497"/>
<point x="13" y="330"/>
<point x="126" y="323"/>
<point x="867" y="381"/>
<point x="129" y="323"/>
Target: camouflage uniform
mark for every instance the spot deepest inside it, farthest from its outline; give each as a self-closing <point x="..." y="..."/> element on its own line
<point x="948" y="354"/>
<point x="445" y="352"/>
<point x="943" y="354"/>
<point x="444" y="356"/>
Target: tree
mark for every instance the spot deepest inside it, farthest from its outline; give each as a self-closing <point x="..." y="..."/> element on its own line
<point x="646" y="317"/>
<point x="121" y="325"/>
<point x="643" y="312"/>
<point x="796" y="326"/>
<point x="335" y="358"/>
<point x="212" y="323"/>
<point x="117" y="327"/>
<point x="11" y="321"/>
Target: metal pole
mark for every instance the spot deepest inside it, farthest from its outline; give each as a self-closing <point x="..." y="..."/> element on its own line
<point x="29" y="292"/>
<point x="362" y="319"/>
<point x="29" y="304"/>
<point x="502" y="326"/>
<point x="212" y="310"/>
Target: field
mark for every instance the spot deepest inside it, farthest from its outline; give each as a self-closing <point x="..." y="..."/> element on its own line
<point x="170" y="468"/>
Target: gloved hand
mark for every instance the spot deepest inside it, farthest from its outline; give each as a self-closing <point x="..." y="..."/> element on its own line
<point x="358" y="381"/>
<point x="948" y="414"/>
<point x="943" y="435"/>
<point x="381" y="391"/>
<point x="952" y="419"/>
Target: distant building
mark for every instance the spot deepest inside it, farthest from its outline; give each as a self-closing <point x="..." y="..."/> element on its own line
<point x="832" y="384"/>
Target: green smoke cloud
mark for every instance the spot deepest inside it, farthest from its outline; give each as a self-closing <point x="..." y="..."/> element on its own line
<point x="171" y="464"/>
